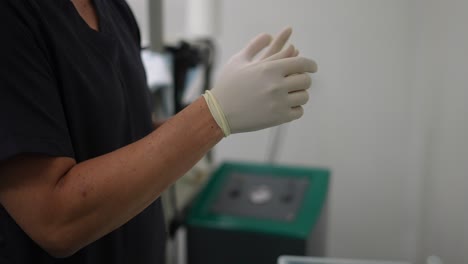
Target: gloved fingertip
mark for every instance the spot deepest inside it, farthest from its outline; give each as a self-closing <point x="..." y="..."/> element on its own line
<point x="287" y="30"/>
<point x="267" y="36"/>
<point x="312" y="66"/>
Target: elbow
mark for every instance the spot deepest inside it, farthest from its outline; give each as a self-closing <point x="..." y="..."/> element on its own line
<point x="59" y="245"/>
<point x="58" y="251"/>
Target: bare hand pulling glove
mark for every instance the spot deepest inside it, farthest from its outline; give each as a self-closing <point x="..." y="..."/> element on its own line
<point x="256" y="93"/>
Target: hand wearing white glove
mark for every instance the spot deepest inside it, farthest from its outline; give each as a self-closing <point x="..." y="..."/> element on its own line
<point x="253" y="94"/>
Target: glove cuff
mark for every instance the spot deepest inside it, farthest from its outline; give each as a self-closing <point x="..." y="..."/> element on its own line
<point x="217" y="112"/>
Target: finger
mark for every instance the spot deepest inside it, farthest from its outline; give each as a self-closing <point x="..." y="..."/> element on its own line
<point x="278" y="43"/>
<point x="256" y="45"/>
<point x="298" y="98"/>
<point x="296" y="53"/>
<point x="286" y="53"/>
<point x="298" y="82"/>
<point x="294" y="65"/>
<point x="296" y="112"/>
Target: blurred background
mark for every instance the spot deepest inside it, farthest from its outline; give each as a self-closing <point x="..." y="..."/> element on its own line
<point x="388" y="114"/>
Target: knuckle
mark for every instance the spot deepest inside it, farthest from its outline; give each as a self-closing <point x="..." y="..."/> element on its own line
<point x="277" y="106"/>
<point x="274" y="106"/>
<point x="301" y="64"/>
<point x="308" y="80"/>
<point x="306" y="97"/>
<point x="271" y="88"/>
<point x="263" y="69"/>
<point x="303" y="61"/>
<point x="266" y="68"/>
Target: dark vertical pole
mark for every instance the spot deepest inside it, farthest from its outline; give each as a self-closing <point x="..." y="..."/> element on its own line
<point x="156" y="25"/>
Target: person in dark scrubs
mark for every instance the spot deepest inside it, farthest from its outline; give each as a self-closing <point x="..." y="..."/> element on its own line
<point x="81" y="164"/>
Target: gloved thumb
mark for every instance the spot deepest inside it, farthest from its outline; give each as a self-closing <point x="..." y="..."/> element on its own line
<point x="256" y="45"/>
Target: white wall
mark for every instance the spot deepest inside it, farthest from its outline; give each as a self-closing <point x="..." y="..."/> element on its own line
<point x="443" y="78"/>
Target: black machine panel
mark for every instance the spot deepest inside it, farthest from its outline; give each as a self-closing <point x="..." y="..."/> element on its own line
<point x="261" y="196"/>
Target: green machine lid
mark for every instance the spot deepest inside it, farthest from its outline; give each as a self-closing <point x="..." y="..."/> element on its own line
<point x="202" y="214"/>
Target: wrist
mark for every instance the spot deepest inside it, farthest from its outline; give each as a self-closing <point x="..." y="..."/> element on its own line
<point x="217" y="113"/>
<point x="210" y="120"/>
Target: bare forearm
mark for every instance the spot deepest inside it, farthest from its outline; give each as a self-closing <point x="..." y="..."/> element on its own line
<point x="102" y="194"/>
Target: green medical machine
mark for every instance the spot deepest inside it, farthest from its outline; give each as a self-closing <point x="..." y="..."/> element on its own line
<point x="252" y="214"/>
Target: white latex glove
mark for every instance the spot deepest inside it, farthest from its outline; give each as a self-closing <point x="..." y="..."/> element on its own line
<point x="253" y="94"/>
